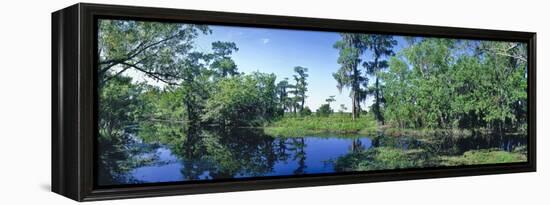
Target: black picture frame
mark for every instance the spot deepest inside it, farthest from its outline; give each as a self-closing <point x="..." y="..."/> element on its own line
<point x="74" y="95"/>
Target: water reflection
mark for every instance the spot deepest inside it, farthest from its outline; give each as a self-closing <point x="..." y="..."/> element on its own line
<point x="169" y="152"/>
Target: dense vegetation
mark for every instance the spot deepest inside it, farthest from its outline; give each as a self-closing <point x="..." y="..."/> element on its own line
<point x="458" y="84"/>
<point x="152" y="72"/>
<point x="436" y="83"/>
<point x="430" y="83"/>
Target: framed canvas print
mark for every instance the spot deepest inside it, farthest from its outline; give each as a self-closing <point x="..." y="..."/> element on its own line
<point x="153" y="102"/>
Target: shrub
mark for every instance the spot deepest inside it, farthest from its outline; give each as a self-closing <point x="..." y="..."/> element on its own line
<point x="324" y="110"/>
<point x="305" y="112"/>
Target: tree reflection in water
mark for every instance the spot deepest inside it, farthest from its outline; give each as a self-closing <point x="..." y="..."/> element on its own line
<point x="202" y="153"/>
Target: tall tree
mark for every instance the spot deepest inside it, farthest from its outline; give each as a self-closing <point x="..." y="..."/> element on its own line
<point x="301" y="85"/>
<point x="222" y="64"/>
<point x="194" y="85"/>
<point x="399" y="93"/>
<point x="381" y="47"/>
<point x="282" y="94"/>
<point x="350" y="48"/>
<point x="293" y="101"/>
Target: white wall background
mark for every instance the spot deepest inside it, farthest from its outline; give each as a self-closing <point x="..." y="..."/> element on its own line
<point x="25" y="102"/>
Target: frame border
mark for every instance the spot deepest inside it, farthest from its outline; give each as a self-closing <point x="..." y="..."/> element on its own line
<point x="73" y="99"/>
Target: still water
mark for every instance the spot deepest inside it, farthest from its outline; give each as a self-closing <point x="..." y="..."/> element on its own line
<point x="219" y="154"/>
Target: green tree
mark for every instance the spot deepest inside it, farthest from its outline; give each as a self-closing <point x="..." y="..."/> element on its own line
<point x="301" y="85"/>
<point x="425" y="93"/>
<point x="222" y="64"/>
<point x="351" y="48"/>
<point x="120" y="109"/>
<point x="506" y="104"/>
<point x="123" y="45"/>
<point x="248" y="100"/>
<point x="293" y="99"/>
<point x="324" y="110"/>
<point x="282" y="94"/>
<point x="440" y="83"/>
<point x="381" y="47"/>
<point x="120" y="106"/>
<point x="194" y="85"/>
<point x="400" y="93"/>
<point x="306" y="111"/>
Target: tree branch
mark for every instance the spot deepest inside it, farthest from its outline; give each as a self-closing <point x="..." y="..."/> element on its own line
<point x="149" y="73"/>
<point x="138" y="50"/>
<point x="512" y="56"/>
<point x="504" y="53"/>
<point x="115" y="75"/>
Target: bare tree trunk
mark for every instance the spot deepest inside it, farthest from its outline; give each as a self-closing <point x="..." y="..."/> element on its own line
<point x="353" y="110"/>
<point x="303" y="101"/>
<point x="377" y="101"/>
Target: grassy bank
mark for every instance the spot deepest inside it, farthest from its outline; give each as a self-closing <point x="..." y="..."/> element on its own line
<point x="484" y="157"/>
<point x="296" y="126"/>
<point x="390" y="131"/>
<point x="383" y="158"/>
<point x="341" y="123"/>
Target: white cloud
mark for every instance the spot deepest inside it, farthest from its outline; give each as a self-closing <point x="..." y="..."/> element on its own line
<point x="265" y="40"/>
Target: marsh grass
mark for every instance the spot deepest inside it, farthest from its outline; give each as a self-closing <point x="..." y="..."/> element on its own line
<point x="487" y="156"/>
<point x="341" y="123"/>
<point x="296" y="126"/>
<point x="386" y="158"/>
<point x="396" y="132"/>
<point x="382" y="158"/>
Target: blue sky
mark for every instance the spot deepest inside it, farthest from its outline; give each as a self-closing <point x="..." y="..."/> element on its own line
<point x="278" y="51"/>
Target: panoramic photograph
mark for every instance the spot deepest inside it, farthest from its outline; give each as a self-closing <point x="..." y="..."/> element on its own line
<point x="182" y="102"/>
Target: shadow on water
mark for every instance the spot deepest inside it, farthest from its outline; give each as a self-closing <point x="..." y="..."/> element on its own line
<point x="169" y="152"/>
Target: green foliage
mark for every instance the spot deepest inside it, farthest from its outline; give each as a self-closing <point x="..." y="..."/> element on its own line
<point x="324" y="110"/>
<point x="221" y="152"/>
<point x="223" y="65"/>
<point x="484" y="157"/>
<point x="164" y="105"/>
<point x="381" y="158"/>
<point x="431" y="84"/>
<point x="335" y="123"/>
<point x="146" y="47"/>
<point x="285" y="102"/>
<point x="248" y="100"/>
<point x="350" y="49"/>
<point x="384" y="158"/>
<point x="381" y="47"/>
<point x="305" y="112"/>
<point x="439" y="83"/>
<point x="119" y="106"/>
<point x="300" y="88"/>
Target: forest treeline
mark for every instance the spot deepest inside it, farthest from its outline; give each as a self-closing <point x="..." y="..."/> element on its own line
<point x="428" y="83"/>
<point x="182" y="84"/>
<point x="436" y="82"/>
